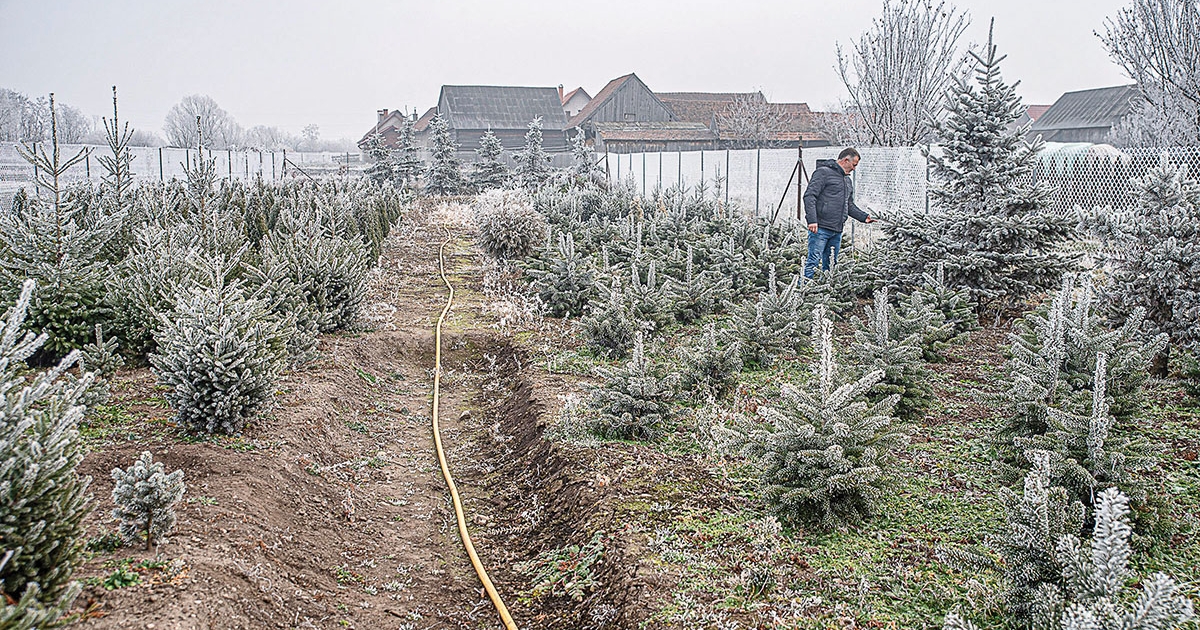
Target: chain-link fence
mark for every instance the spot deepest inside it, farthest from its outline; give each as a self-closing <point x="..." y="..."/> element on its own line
<point x="887" y="180"/>
<point x="162" y="164"/>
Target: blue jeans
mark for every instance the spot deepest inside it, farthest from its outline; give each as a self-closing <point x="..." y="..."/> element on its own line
<point x="823" y="249"/>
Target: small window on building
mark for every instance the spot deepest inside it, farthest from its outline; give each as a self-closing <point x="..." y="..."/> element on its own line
<point x="630" y="116"/>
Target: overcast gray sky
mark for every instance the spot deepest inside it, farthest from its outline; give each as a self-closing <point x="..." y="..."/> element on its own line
<point x="292" y="63"/>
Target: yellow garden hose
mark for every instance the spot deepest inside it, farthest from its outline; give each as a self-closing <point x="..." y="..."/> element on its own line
<point x="437" y="441"/>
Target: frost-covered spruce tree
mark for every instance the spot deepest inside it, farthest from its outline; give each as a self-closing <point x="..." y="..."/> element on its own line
<point x="1085" y="454"/>
<point x="584" y="155"/>
<point x="491" y="171"/>
<point x="162" y="260"/>
<point x="634" y="401"/>
<point x="532" y="163"/>
<point x="915" y="314"/>
<point x="824" y="450"/>
<point x="57" y="243"/>
<point x="712" y="365"/>
<point x="382" y="168"/>
<point x="116" y="184"/>
<point x="445" y="176"/>
<point x="832" y="289"/>
<point x="770" y="326"/>
<point x="990" y="223"/>
<point x="289" y="302"/>
<point x="1053" y="359"/>
<point x="407" y="166"/>
<point x="102" y="359"/>
<point x="330" y="270"/>
<point x="878" y="346"/>
<point x="568" y="282"/>
<point x="509" y="226"/>
<point x="220" y="352"/>
<point x="610" y="328"/>
<point x="145" y="496"/>
<point x="698" y="294"/>
<point x="29" y="612"/>
<point x="43" y="500"/>
<point x="1154" y="255"/>
<point x="648" y="298"/>
<point x="953" y="302"/>
<point x="1024" y="553"/>
<point x="1091" y="589"/>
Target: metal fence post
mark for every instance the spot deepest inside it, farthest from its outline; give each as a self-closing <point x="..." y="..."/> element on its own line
<point x="229" y="163"/>
<point x="757" y="178"/>
<point x="926" y="184"/>
<point x="679" y="165"/>
<point x="660" y="154"/>
<point x="727" y="178"/>
<point x="87" y="165"/>
<point x="160" y="165"/>
<point x="643" y="174"/>
<point x="273" y="165"/>
<point x="701" y="166"/>
<point x="618" y="168"/>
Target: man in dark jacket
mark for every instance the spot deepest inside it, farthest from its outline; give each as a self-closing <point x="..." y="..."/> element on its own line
<point x="828" y="200"/>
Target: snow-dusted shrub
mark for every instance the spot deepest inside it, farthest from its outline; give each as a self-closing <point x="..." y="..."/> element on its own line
<point x="698" y="294"/>
<point x="769" y="327"/>
<point x="145" y="497"/>
<point x="532" y="162"/>
<point x="491" y="171"/>
<point x="42" y="499"/>
<point x="220" y="351"/>
<point x="710" y="368"/>
<point x="634" y="402"/>
<point x="824" y="451"/>
<point x="509" y="227"/>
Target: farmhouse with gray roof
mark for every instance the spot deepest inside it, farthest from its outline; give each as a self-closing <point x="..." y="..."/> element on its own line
<point x="1084" y="116"/>
<point x="473" y="110"/>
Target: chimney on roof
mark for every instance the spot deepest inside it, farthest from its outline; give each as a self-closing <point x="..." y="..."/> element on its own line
<point x="560" y="93"/>
<point x="382" y="114"/>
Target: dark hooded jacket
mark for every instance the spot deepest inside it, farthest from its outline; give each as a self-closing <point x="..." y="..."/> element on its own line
<point x="830" y="197"/>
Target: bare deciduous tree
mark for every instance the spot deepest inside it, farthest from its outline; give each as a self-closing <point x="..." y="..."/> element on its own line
<point x="843" y="126"/>
<point x="1157" y="43"/>
<point x="28" y="120"/>
<point x="901" y="67"/>
<point x="752" y="122"/>
<point x="219" y="129"/>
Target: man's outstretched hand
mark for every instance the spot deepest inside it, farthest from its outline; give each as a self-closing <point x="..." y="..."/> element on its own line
<point x="870" y="220"/>
<point x="812" y="227"/>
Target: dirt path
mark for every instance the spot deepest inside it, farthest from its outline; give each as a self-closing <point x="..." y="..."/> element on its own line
<point x="330" y="513"/>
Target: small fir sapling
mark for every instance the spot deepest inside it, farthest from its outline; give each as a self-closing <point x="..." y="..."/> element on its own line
<point x="711" y="368"/>
<point x="1085" y="455"/>
<point x="824" y="451"/>
<point x="220" y="351"/>
<point x="610" y="327"/>
<point x="832" y="289"/>
<point x="914" y="315"/>
<point x="990" y="221"/>
<point x="648" y="299"/>
<point x="698" y="294"/>
<point x="879" y="346"/>
<point x="491" y="170"/>
<point x="532" y="163"/>
<point x="116" y="189"/>
<point x="634" y="401"/>
<point x="585" y="167"/>
<point x="289" y="301"/>
<point x="43" y="499"/>
<point x="1092" y="584"/>
<point x="954" y="303"/>
<point x="509" y="226"/>
<point x="145" y="498"/>
<point x="568" y="282"/>
<point x="1024" y="553"/>
<point x="102" y="360"/>
<point x="769" y="327"/>
<point x="731" y="262"/>
<point x="1154" y="256"/>
<point x="445" y="176"/>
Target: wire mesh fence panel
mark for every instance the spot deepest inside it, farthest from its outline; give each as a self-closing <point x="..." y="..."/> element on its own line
<point x="742" y="180"/>
<point x="778" y="181"/>
<point x="690" y="171"/>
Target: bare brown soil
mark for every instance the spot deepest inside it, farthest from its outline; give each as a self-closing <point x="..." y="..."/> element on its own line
<point x="331" y="512"/>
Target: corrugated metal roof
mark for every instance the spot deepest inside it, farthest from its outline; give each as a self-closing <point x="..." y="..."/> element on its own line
<point x="1101" y="107"/>
<point x="501" y="107"/>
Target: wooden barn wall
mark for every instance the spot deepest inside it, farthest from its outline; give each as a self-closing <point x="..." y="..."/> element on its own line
<point x="634" y="98"/>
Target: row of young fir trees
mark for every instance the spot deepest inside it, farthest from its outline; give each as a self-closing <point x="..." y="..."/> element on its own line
<point x="403" y="167"/>
<point x="632" y="269"/>
<point x="219" y="285"/>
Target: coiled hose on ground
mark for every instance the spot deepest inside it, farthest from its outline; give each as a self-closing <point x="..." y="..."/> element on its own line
<point x="437" y="441"/>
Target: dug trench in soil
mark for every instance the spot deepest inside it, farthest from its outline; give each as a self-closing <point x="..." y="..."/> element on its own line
<point x="329" y="512"/>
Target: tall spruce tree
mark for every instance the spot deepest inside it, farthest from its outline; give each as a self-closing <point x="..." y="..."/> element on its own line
<point x="585" y="156"/>
<point x="1155" y="255"/>
<point x="382" y="168"/>
<point x="533" y="164"/>
<point x="445" y="176"/>
<point x="491" y="171"/>
<point x="407" y="165"/>
<point x="990" y="225"/>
